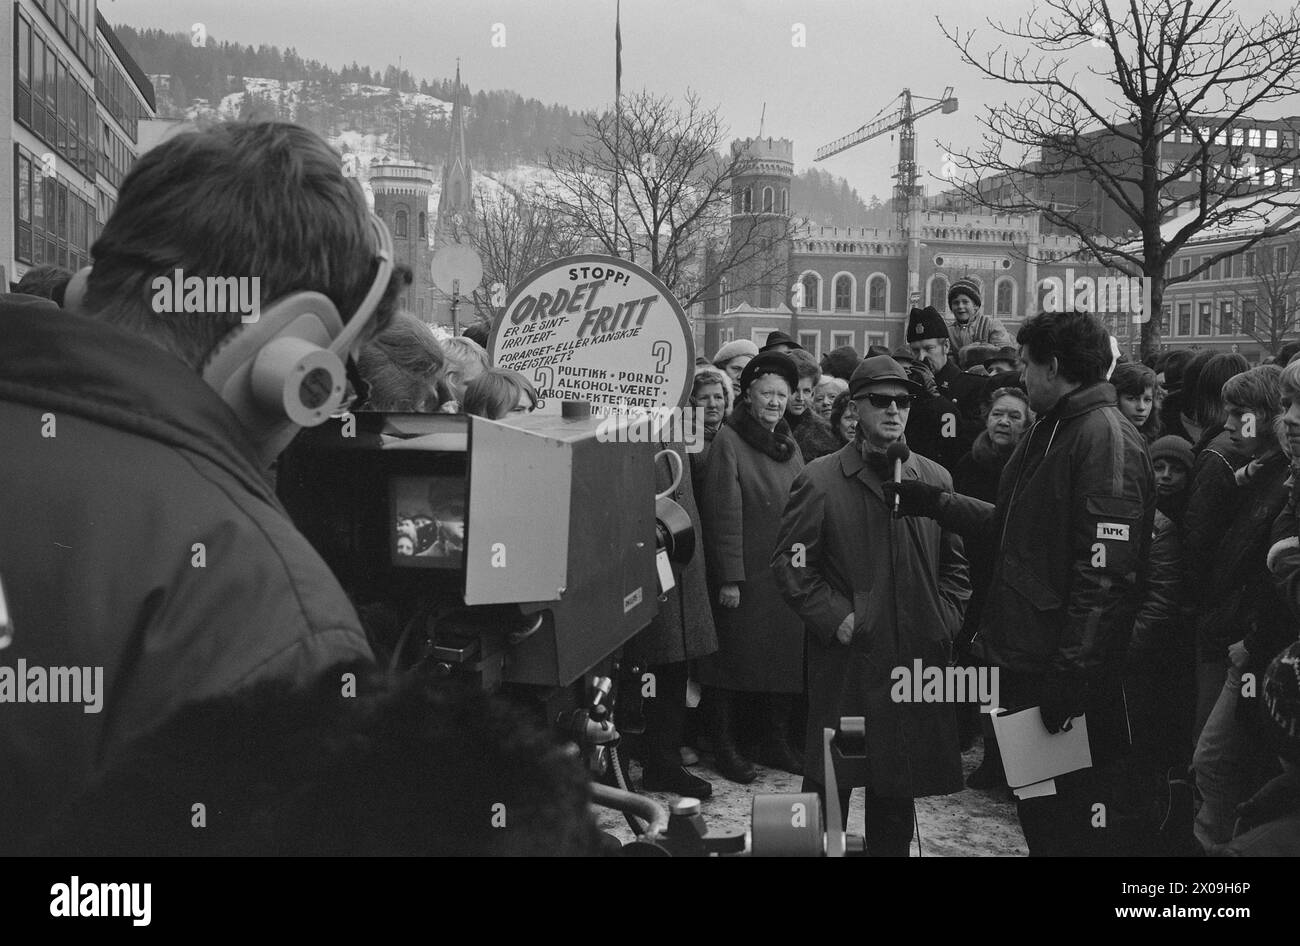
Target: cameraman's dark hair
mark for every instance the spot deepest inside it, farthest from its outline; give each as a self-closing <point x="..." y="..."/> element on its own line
<point x="401" y="365"/>
<point x="1173" y="364"/>
<point x="478" y="332"/>
<point x="409" y="767"/>
<point x="48" y="282"/>
<point x="265" y="199"/>
<point x="1286" y="353"/>
<point x="1206" y="407"/>
<point x="1077" y="340"/>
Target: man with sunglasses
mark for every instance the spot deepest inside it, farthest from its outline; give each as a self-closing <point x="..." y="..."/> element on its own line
<point x="876" y="594"/>
<point x="141" y="537"/>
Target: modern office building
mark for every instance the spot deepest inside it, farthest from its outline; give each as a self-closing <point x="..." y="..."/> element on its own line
<point x="76" y="99"/>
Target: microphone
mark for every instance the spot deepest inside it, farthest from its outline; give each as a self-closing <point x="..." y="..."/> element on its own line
<point x="898" y="453"/>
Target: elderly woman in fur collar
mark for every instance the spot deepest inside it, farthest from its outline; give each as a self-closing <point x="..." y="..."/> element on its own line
<point x="752" y="463"/>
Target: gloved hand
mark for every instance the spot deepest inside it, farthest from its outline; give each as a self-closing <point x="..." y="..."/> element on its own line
<point x="1060" y="699"/>
<point x="918" y="499"/>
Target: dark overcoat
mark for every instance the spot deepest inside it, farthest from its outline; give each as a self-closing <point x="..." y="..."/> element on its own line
<point x="760" y="643"/>
<point x="905" y="581"/>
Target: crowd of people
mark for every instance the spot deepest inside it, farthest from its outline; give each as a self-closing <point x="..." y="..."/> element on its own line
<point x="1115" y="540"/>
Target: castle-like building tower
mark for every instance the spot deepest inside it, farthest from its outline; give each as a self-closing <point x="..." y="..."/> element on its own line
<point x="760" y="216"/>
<point x="401" y="190"/>
<point x="457" y="194"/>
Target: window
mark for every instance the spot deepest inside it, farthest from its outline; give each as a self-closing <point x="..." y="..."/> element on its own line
<point x="1184" y="266"/>
<point x="424" y="227"/>
<point x="1236" y="136"/>
<point x="748" y="204"/>
<point x="812" y="291"/>
<point x="765" y="296"/>
<point x="1205" y="273"/>
<point x="1184" y="318"/>
<point x="1248" y="263"/>
<point x="51" y="220"/>
<point x="1287" y="139"/>
<point x="1204" y="319"/>
<point x="767" y="200"/>
<point x="399" y="225"/>
<point x="1279" y="259"/>
<point x="1248" y="317"/>
<point x="1226" y="325"/>
<point x="1004" y="301"/>
<point x="785" y="200"/>
<point x="844" y="294"/>
<point x="840" y="339"/>
<point x="1253" y="137"/>
<point x="876" y="294"/>
<point x="1166" y="312"/>
<point x="812" y="342"/>
<point x="1270" y="138"/>
<point x="938" y="293"/>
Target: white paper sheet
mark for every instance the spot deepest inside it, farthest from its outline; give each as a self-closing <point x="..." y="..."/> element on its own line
<point x="1031" y="754"/>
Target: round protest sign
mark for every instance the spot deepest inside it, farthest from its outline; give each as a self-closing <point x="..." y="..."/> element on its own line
<point x="597" y="329"/>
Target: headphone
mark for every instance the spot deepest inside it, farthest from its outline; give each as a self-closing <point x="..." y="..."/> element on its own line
<point x="289" y="365"/>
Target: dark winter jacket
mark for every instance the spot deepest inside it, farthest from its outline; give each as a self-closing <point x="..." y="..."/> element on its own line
<point x="840" y="551"/>
<point x="760" y="643"/>
<point x="812" y="434"/>
<point x="978" y="474"/>
<point x="1213" y="501"/>
<point x="1161" y="630"/>
<point x="934" y="431"/>
<point x="137" y="534"/>
<point x="1072" y="526"/>
<point x="683" y="629"/>
<point x="1284" y="550"/>
<point x="1238" y="601"/>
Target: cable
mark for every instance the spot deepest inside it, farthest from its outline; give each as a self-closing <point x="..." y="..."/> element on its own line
<point x="637" y="827"/>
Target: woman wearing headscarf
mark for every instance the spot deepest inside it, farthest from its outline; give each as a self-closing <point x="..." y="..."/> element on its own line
<point x="752" y="463"/>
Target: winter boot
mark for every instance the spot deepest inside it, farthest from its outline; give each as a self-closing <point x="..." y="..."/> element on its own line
<point x="776" y="751"/>
<point x="722" y="716"/>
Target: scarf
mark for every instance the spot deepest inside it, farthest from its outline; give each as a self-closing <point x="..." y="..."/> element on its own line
<point x="777" y="444"/>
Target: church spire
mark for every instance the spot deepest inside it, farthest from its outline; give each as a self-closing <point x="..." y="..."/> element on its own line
<point x="457" y="194"/>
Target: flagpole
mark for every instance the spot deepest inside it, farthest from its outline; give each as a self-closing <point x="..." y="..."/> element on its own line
<point x="618" y="110"/>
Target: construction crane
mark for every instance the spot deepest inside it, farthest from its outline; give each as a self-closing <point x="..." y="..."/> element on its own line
<point x="903" y="118"/>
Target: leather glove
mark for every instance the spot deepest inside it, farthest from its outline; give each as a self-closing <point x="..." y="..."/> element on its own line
<point x="1060" y="699"/>
<point x="917" y="498"/>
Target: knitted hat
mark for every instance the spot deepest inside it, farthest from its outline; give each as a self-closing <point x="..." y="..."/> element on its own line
<point x="964" y="287"/>
<point x="741" y="346"/>
<point x="769" y="362"/>
<point x="1281" y="702"/>
<point x="926" y="323"/>
<point x="877" y="369"/>
<point x="840" y="362"/>
<point x="1172" y="447"/>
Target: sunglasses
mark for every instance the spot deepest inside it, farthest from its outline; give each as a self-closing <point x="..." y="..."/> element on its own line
<point x="882" y="401"/>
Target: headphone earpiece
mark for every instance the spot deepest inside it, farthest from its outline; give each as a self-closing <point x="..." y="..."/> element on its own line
<point x="281" y="367"/>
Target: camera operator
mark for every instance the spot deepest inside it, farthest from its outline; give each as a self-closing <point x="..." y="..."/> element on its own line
<point x="140" y="534"/>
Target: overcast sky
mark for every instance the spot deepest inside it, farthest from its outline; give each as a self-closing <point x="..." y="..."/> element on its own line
<point x="737" y="54"/>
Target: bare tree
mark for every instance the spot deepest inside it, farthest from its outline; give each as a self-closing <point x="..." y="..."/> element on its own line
<point x="674" y="198"/>
<point x="1265" y="309"/>
<point x="1156" y="73"/>
<point x="513" y="234"/>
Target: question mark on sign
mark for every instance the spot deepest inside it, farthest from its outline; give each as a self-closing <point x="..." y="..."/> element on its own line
<point x="662" y="350"/>
<point x="545" y="378"/>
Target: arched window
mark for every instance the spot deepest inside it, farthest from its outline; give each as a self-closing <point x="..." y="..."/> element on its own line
<point x="749" y="200"/>
<point x="424" y="226"/>
<point x="723" y="295"/>
<point x="876" y="294"/>
<point x="456" y="191"/>
<point x="399" y="225"/>
<point x="767" y="200"/>
<point x="844" y="294"/>
<point x="812" y="291"/>
<point x="765" y="296"/>
<point x="938" y="292"/>
<point x="1006" y="297"/>
<point x="785" y="200"/>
